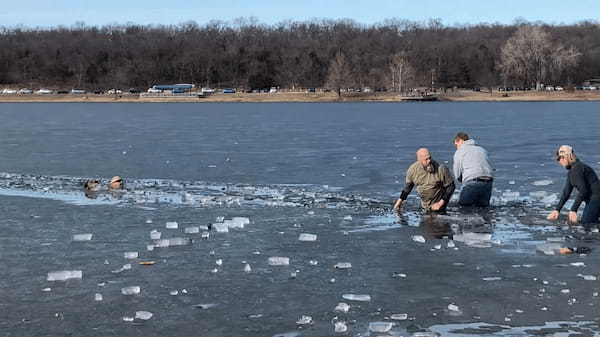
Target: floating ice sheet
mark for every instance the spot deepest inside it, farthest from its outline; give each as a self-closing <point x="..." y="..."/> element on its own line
<point x="307" y="237"/>
<point x="64" y="275"/>
<point x="82" y="237"/>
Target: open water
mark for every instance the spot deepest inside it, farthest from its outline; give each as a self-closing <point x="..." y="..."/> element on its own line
<point x="331" y="170"/>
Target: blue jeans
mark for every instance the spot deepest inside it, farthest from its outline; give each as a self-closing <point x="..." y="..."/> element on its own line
<point x="591" y="212"/>
<point x="476" y="193"/>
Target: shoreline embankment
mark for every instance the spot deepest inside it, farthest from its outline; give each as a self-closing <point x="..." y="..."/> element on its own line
<point x="321" y="97"/>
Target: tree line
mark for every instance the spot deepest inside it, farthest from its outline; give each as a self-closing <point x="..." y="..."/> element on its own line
<point x="394" y="54"/>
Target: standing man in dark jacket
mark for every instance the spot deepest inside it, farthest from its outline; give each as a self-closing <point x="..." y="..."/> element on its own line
<point x="584" y="179"/>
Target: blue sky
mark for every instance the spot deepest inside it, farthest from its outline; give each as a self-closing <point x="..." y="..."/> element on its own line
<point x="46" y="13"/>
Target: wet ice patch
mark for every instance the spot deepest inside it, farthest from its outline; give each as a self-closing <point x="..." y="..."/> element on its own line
<point x="544" y="182"/>
<point x="307" y="237"/>
<point x="82" y="237"/>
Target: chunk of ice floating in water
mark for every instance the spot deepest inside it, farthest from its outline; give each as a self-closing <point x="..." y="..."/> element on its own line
<point x="343" y="265"/>
<point x="125" y="267"/>
<point x="247" y="268"/>
<point x="64" y="275"/>
<point x="399" y="317"/>
<point x="355" y="297"/>
<point x="155" y="235"/>
<point x="127" y="319"/>
<point x="307" y="237"/>
<point x="418" y="238"/>
<point x="348" y="218"/>
<point x="279" y="261"/>
<point x="380" y="327"/>
<point x="143" y="315"/>
<point x="544" y="182"/>
<point x="133" y="290"/>
<point x="98" y="297"/>
<point x="588" y="277"/>
<point x="221" y="227"/>
<point x="192" y="230"/>
<point x="304" y="320"/>
<point x="130" y="255"/>
<point x="240" y="221"/>
<point x="82" y="237"/>
<point x="549" y="248"/>
<point x="472" y="239"/>
<point x="342" y="307"/>
<point x="340" y="327"/>
<point x="172" y="225"/>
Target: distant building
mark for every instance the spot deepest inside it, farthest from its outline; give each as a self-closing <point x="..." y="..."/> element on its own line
<point x="173" y="88"/>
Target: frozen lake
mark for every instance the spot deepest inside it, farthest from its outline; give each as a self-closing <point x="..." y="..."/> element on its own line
<point x="330" y="170"/>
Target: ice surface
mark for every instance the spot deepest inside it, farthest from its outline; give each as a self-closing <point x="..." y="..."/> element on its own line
<point x="133" y="290"/>
<point x="82" y="237"/>
<point x="380" y="327"/>
<point x="64" y="275"/>
<point x="172" y="225"/>
<point x="355" y="297"/>
<point x="143" y="315"/>
<point x="544" y="182"/>
<point x="550" y="248"/>
<point x="481" y="240"/>
<point x="130" y="255"/>
<point x="279" y="261"/>
<point x="307" y="237"/>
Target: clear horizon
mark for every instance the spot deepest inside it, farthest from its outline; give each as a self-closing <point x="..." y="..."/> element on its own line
<point x="48" y="13"/>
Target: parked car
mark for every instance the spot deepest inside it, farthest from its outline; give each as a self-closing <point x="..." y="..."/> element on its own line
<point x="559" y="88"/>
<point x="7" y="91"/>
<point x="207" y="91"/>
<point x="44" y="92"/>
<point x="98" y="92"/>
<point x="229" y="91"/>
<point x="134" y="91"/>
<point x="312" y="90"/>
<point x="272" y="90"/>
<point x="25" y="91"/>
<point x="77" y="91"/>
<point x="62" y="92"/>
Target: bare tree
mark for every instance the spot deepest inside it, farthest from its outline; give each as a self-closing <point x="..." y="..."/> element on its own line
<point x="339" y="75"/>
<point x="530" y="56"/>
<point x="401" y="71"/>
<point x="526" y="55"/>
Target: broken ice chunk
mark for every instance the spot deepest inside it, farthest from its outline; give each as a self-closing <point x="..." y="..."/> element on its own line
<point x="279" y="261"/>
<point x="133" y="290"/>
<point x="82" y="237"/>
<point x="340" y="327"/>
<point x="544" y="182"/>
<point x="588" y="277"/>
<point x="130" y="255"/>
<point x="577" y="264"/>
<point x="492" y="278"/>
<point x="418" y="238"/>
<point x="172" y="225"/>
<point x="343" y="265"/>
<point x="221" y="227"/>
<point x="240" y="222"/>
<point x="304" y="320"/>
<point x="247" y="268"/>
<point x="179" y="241"/>
<point x="143" y="315"/>
<point x="192" y="230"/>
<point x="307" y="237"/>
<point x="348" y="218"/>
<point x="64" y="275"/>
<point x="399" y="317"/>
<point x="205" y="306"/>
<point x="98" y="297"/>
<point x="155" y="235"/>
<point x="355" y="297"/>
<point x="380" y="327"/>
<point x="205" y="235"/>
<point x="342" y="307"/>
